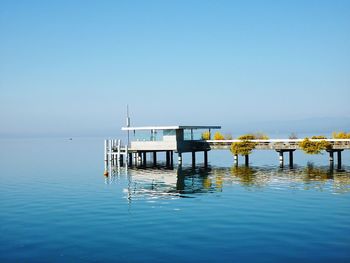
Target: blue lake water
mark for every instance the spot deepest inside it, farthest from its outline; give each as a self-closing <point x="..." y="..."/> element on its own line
<point x="56" y="206"/>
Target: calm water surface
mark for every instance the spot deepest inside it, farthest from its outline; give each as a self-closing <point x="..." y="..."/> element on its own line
<point x="56" y="206"/>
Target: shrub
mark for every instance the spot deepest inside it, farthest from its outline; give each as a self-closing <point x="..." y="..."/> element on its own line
<point x="319" y="137"/>
<point x="206" y="135"/>
<point x="314" y="147"/>
<point x="254" y="136"/>
<point x="246" y="137"/>
<point x="341" y="135"/>
<point x="244" y="147"/>
<point x="218" y="136"/>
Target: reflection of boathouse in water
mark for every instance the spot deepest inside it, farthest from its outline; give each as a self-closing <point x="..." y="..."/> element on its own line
<point x="188" y="182"/>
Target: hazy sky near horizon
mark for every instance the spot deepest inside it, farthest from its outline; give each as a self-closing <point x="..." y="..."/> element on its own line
<point x="70" y="67"/>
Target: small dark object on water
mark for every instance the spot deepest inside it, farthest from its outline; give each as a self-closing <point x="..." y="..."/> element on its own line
<point x="70" y="139"/>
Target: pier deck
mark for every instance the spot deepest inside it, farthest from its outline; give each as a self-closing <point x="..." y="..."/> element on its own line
<point x="279" y="144"/>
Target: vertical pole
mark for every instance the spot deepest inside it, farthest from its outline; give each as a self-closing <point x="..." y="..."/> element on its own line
<point x="193" y="159"/>
<point x="126" y="156"/>
<point x="154" y="158"/>
<point x="110" y="151"/>
<point x="121" y="160"/>
<point x="171" y="158"/>
<point x="139" y="159"/>
<point x="291" y="159"/>
<point x="180" y="158"/>
<point x="331" y="156"/>
<point x="106" y="159"/>
<point x="114" y="145"/>
<point x="167" y="158"/>
<point x="281" y="158"/>
<point x="339" y="159"/>
<point x="144" y="158"/>
<point x="118" y="153"/>
<point x="206" y="158"/>
<point x="331" y="160"/>
<point x="235" y="159"/>
<point x="246" y="157"/>
<point x="130" y="159"/>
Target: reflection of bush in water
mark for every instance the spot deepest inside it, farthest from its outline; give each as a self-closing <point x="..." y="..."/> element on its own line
<point x="246" y="175"/>
<point x="316" y="173"/>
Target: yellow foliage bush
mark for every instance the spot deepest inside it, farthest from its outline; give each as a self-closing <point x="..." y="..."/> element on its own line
<point x="218" y="136"/>
<point x="254" y="136"/>
<point x="244" y="147"/>
<point x="341" y="135"/>
<point x="314" y="147"/>
<point x="319" y="137"/>
<point x="206" y="135"/>
<point x="246" y="137"/>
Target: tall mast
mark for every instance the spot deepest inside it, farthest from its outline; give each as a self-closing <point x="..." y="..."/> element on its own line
<point x="128" y="121"/>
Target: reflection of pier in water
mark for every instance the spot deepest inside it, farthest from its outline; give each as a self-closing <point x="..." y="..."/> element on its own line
<point x="188" y="182"/>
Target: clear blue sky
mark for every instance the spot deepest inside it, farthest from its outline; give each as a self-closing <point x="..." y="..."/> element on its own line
<point x="70" y="67"/>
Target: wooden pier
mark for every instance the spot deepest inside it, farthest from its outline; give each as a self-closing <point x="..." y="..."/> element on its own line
<point x="168" y="140"/>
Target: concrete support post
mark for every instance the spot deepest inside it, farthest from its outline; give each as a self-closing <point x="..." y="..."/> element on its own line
<point x="291" y="159"/>
<point x="206" y="158"/>
<point x="167" y="158"/>
<point x="235" y="159"/>
<point x="130" y="159"/>
<point x="121" y="160"/>
<point x="171" y="158"/>
<point x="281" y="158"/>
<point x="180" y="158"/>
<point x="339" y="160"/>
<point x="331" y="156"/>
<point x="193" y="159"/>
<point x="144" y="161"/>
<point x="246" y="160"/>
<point x="139" y="158"/>
<point x="154" y="158"/>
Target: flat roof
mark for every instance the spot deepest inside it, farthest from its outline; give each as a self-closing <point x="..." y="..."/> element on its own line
<point x="145" y="128"/>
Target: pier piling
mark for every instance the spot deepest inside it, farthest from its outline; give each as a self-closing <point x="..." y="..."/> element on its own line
<point x="205" y="158"/>
<point x="246" y="160"/>
<point x="291" y="162"/>
<point x="193" y="159"/>
<point x="154" y="158"/>
<point x="180" y="158"/>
